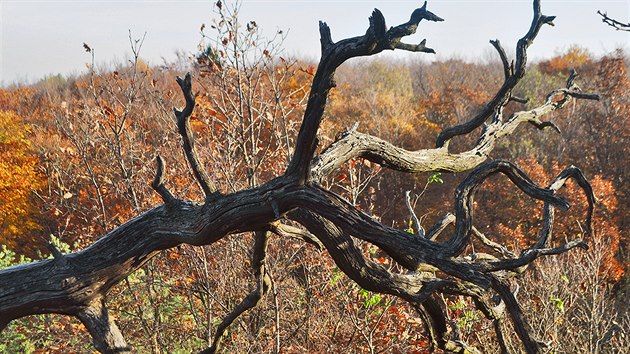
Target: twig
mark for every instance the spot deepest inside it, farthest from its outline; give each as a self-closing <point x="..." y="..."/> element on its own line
<point x="619" y="26"/>
<point x="414" y="218"/>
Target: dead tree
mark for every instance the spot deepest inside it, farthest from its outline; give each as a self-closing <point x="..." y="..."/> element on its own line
<point x="77" y="284"/>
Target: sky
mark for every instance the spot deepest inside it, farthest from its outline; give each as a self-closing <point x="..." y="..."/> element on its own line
<point x="40" y="38"/>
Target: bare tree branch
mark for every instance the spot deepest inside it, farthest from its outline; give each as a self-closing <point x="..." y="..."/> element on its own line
<point x="158" y="182"/>
<point x="440" y="226"/>
<point x="516" y="73"/>
<point x="619" y="26"/>
<point x="188" y="140"/>
<point x="414" y="218"/>
<point x="353" y="144"/>
<point x="106" y="335"/>
<point x="375" y="40"/>
<point x="285" y="230"/>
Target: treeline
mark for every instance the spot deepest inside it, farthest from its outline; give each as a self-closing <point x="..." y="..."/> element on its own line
<point x="77" y="158"/>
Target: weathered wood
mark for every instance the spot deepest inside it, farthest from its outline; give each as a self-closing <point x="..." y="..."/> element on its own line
<point x="188" y="140"/>
<point x="106" y="335"/>
<point x="514" y="74"/>
<point x="375" y="40"/>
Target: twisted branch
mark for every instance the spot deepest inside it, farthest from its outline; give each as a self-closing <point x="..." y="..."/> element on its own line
<point x="513" y="74"/>
<point x="375" y="40"/>
<point x="353" y="144"/>
<point x="188" y="140"/>
<point x="158" y="182"/>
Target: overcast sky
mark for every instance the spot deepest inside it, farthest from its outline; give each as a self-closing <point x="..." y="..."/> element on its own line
<point x="39" y="38"/>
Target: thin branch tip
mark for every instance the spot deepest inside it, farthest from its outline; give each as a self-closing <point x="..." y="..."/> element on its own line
<point x="186" y="82"/>
<point x="617" y="25"/>
<point x="422" y="14"/>
<point x="507" y="68"/>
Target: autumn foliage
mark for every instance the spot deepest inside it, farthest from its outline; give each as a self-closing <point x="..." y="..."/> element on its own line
<point x="20" y="182"/>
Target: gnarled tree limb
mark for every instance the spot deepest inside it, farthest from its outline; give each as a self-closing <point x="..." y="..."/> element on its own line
<point x="375" y="40"/>
<point x="353" y="144"/>
<point x="514" y="73"/>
